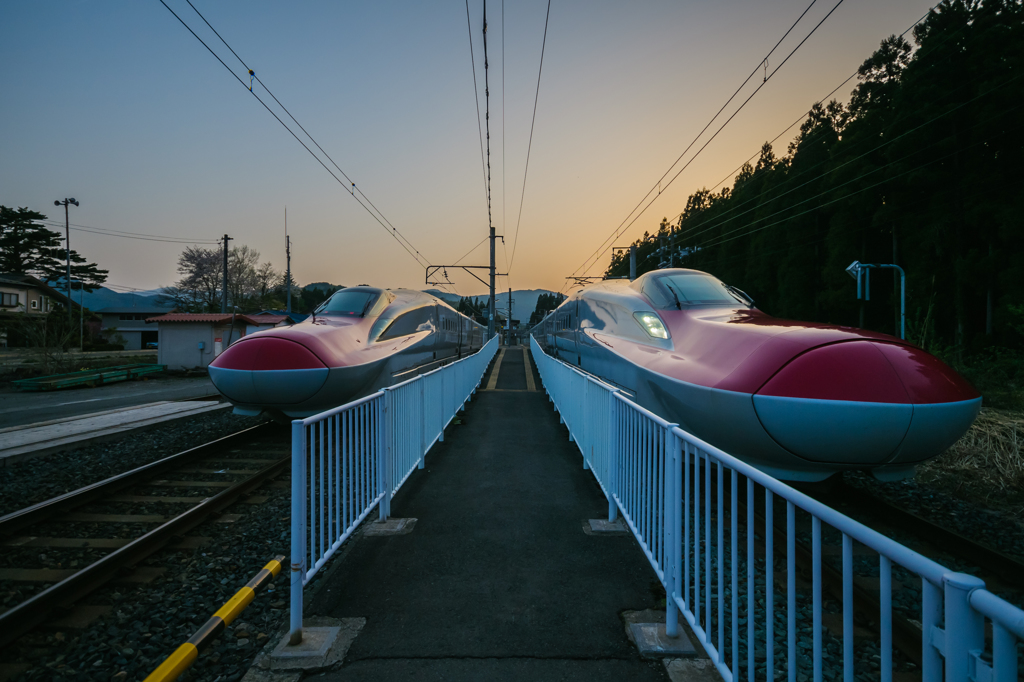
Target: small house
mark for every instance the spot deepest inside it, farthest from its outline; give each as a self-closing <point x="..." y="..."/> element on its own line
<point x="193" y="340"/>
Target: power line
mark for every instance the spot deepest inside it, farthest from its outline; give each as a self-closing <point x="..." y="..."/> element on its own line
<point x="720" y="217"/>
<point x="721" y="240"/>
<point x="476" y="95"/>
<point x="659" y="185"/>
<point x="401" y="239"/>
<point x="536" y="97"/>
<point x="811" y="137"/>
<point x="129" y="235"/>
<point x="354" y="188"/>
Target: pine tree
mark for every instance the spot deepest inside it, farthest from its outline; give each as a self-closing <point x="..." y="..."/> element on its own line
<point x="27" y="247"/>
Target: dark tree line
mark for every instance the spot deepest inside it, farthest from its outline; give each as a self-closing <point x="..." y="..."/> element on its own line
<point x="922" y="168"/>
<point x="545" y="304"/>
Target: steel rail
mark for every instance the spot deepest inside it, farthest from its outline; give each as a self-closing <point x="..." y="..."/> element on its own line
<point x="15" y="521"/>
<point x="984" y="556"/>
<point x="18" y="620"/>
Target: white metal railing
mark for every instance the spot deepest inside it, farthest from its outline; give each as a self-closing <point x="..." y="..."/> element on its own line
<point x="684" y="502"/>
<point x="353" y="458"/>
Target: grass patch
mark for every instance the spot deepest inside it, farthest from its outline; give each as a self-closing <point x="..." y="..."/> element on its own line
<point x="986" y="465"/>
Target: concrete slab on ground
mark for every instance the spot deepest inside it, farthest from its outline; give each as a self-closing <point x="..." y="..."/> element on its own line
<point x="497" y="581"/>
<point x="34" y="440"/>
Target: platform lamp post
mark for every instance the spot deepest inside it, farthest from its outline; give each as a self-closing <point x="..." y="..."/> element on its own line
<point x="67" y="239"/>
<point x="862" y="273"/>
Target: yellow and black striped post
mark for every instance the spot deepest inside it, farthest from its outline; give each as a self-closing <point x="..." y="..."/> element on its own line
<point x="187" y="653"/>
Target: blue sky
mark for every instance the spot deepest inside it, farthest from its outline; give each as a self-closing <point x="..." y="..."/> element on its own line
<point x="116" y="104"/>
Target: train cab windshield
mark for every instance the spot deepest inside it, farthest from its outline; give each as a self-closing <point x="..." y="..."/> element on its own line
<point x="354" y="302"/>
<point x="685" y="289"/>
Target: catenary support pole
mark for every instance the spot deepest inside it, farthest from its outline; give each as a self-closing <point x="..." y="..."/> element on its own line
<point x="224" y="297"/>
<point x="288" y="260"/>
<point x="632" y="262"/>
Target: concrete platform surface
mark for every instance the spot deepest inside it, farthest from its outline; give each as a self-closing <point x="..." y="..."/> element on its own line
<point x="498" y="579"/>
<point x="18" y="408"/>
<point x="33" y="440"/>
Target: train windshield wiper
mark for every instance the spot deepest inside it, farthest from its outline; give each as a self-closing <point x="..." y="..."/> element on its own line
<point x="679" y="306"/>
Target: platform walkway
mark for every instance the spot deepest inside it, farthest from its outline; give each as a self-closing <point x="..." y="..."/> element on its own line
<point x="43" y="438"/>
<point x="498" y="579"/>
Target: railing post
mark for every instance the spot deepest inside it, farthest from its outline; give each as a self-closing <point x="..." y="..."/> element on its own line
<point x="387" y="424"/>
<point x="423" y="426"/>
<point x="671" y="523"/>
<point x="613" y="459"/>
<point x="298" y="523"/>
<point x="931" y="616"/>
<point x="965" y="627"/>
<point x="440" y="436"/>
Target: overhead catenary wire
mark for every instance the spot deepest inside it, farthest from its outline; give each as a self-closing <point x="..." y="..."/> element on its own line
<point x="129" y="235"/>
<point x="353" y="187"/>
<point x="401" y="239"/>
<point x="676" y="237"/>
<point x="660" y="186"/>
<point x="723" y="238"/>
<point x="476" y="95"/>
<point x="720" y="219"/>
<point x="529" y="146"/>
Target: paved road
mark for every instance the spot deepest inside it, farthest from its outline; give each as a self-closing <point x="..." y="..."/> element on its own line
<point x="498" y="580"/>
<point x="17" y="408"/>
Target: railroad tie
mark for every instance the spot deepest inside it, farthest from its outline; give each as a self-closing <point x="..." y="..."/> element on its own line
<point x="186" y="654"/>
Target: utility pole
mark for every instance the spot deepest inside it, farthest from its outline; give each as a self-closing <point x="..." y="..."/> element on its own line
<point x="67" y="239"/>
<point x="487" y="118"/>
<point x="224" y="298"/>
<point x="288" y="256"/>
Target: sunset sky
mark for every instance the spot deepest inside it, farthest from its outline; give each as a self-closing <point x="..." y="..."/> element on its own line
<point x="116" y="104"/>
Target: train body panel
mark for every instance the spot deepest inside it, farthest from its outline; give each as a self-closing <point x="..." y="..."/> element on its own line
<point x="799" y="400"/>
<point x="361" y="340"/>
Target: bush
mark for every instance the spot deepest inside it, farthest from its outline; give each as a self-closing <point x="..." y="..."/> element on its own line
<point x="103" y="346"/>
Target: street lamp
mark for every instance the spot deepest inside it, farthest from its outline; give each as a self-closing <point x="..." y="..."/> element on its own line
<point x="862" y="273"/>
<point x="67" y="237"/>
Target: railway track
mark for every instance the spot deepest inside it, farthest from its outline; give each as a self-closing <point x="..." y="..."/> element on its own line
<point x="104" y="520"/>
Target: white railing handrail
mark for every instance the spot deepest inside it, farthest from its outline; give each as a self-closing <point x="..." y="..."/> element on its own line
<point x="640" y="469"/>
<point x="321" y="416"/>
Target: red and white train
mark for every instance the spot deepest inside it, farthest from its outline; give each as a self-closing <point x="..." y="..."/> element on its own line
<point x="798" y="400"/>
<point x="360" y="340"/>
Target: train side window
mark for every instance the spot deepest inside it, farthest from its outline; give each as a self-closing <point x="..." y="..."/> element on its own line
<point x="655" y="295"/>
<point x="409" y="323"/>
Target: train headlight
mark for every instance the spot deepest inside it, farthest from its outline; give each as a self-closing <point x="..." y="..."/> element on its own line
<point x="652" y="324"/>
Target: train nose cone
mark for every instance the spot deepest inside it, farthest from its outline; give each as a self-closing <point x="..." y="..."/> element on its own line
<point x="268" y="371"/>
<point x="945" y="405"/>
<point x="843" y="403"/>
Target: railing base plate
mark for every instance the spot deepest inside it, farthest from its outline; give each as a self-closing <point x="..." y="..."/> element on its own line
<point x="651" y="640"/>
<point x="323" y="645"/>
<point x="605" y="527"/>
<point x="392" y="526"/>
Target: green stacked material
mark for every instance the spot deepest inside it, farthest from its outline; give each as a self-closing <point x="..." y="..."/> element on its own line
<point x="89" y="377"/>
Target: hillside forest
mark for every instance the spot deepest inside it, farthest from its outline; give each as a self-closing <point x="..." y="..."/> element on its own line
<point x="922" y="168"/>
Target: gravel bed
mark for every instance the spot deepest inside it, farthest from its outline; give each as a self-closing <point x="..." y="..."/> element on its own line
<point x="997" y="529"/>
<point x="34" y="480"/>
<point x="149" y="621"/>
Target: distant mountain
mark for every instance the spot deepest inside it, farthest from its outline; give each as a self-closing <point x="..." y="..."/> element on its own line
<point x="524" y="301"/>
<point x="107" y="298"/>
